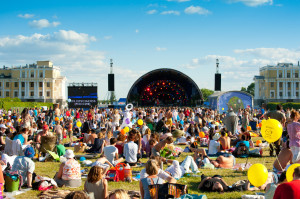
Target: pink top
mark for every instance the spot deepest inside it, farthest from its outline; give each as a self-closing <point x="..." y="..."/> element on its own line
<point x="294" y="133"/>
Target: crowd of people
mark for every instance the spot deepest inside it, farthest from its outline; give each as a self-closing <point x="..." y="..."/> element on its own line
<point x="212" y="139"/>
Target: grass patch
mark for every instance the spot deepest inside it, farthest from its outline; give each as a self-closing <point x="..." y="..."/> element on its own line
<point x="230" y="176"/>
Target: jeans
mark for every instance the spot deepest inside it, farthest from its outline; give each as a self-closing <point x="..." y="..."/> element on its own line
<point x="189" y="162"/>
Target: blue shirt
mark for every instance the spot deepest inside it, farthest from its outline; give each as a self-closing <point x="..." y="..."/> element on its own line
<point x="130" y="152"/>
<point x="245" y="142"/>
<point x="20" y="137"/>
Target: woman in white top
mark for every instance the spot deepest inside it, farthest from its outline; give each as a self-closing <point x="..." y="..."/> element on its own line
<point x="213" y="145"/>
<point x="115" y="119"/>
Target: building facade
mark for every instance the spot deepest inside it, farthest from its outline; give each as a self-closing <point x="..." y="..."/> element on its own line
<point x="40" y="82"/>
<point x="279" y="83"/>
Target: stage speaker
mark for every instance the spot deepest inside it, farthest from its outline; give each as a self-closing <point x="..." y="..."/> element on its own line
<point x="217" y="82"/>
<point x="111" y="82"/>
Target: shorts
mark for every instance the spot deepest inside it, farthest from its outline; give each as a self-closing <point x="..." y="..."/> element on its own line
<point x="296" y="153"/>
<point x="59" y="136"/>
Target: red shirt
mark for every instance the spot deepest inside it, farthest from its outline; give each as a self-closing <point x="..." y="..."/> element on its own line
<point x="288" y="190"/>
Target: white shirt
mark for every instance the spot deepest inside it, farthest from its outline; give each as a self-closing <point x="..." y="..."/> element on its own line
<point x="130" y="152"/>
<point x="176" y="170"/>
<point x="161" y="174"/>
<point x="213" y="147"/>
<point x="110" y="153"/>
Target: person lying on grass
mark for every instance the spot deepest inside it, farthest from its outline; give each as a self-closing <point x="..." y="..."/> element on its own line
<point x="222" y="161"/>
<point x="217" y="184"/>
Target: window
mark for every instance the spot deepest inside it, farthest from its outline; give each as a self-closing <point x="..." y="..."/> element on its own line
<point x="32" y="74"/>
<point x="280" y="75"/>
<point x="48" y="93"/>
<point x="23" y="84"/>
<point x="31" y="93"/>
<point x="16" y="94"/>
<point x="7" y="93"/>
<point x="41" y="94"/>
<point x="32" y="84"/>
<point x="272" y="84"/>
<point x="280" y="84"/>
<point x="289" y="84"/>
<point x="297" y="84"/>
<point x="0" y="84"/>
<point x="23" y="74"/>
<point x="40" y="84"/>
<point x="48" y="84"/>
<point x="16" y="84"/>
<point x="288" y="75"/>
<point x="7" y="84"/>
<point x="41" y="74"/>
<point x="297" y="94"/>
<point x="289" y="94"/>
<point x="272" y="94"/>
<point x="296" y="75"/>
<point x="280" y="94"/>
<point x="0" y="94"/>
<point x="23" y="93"/>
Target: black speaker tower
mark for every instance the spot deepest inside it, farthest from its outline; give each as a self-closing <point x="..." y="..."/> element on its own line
<point x="217" y="77"/>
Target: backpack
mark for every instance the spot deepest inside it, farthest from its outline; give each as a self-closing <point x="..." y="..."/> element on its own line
<point x="241" y="151"/>
<point x="112" y="175"/>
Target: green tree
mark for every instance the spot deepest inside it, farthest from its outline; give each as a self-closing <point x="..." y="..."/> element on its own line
<point x="249" y="89"/>
<point x="206" y="92"/>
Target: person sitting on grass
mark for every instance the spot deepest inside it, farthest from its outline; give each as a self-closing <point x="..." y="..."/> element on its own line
<point x="152" y="171"/>
<point x="69" y="172"/>
<point x="161" y="145"/>
<point x="161" y="173"/>
<point x="285" y="157"/>
<point x="131" y="151"/>
<point x="98" y="143"/>
<point x="91" y="138"/>
<point x="213" y="145"/>
<point x="224" y="140"/>
<point x="111" y="152"/>
<point x="103" y="163"/>
<point x="96" y="184"/>
<point x="289" y="189"/>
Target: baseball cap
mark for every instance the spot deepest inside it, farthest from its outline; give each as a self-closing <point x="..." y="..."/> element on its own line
<point x="69" y="154"/>
<point x="29" y="152"/>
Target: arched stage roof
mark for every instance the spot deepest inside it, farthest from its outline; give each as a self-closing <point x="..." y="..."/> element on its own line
<point x="178" y="89"/>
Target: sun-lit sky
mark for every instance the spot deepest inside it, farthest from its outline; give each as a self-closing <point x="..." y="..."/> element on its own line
<point x="141" y="35"/>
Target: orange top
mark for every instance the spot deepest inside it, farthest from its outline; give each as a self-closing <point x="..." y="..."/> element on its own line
<point x="1" y="175"/>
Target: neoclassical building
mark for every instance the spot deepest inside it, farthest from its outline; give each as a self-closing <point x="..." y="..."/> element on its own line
<point x="40" y="82"/>
<point x="279" y="83"/>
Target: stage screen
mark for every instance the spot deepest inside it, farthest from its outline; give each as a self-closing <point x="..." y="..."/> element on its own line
<point x="82" y="96"/>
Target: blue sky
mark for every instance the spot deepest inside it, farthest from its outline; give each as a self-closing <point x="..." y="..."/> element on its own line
<point x="142" y="35"/>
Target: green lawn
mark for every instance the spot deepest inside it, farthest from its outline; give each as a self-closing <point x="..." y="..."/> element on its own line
<point x="230" y="176"/>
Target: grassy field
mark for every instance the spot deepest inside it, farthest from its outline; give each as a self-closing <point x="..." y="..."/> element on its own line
<point x="230" y="176"/>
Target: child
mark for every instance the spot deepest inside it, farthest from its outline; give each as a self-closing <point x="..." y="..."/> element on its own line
<point x="59" y="132"/>
<point x="96" y="183"/>
<point x="108" y="136"/>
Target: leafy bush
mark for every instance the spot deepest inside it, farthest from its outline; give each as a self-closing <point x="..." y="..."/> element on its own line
<point x="9" y="103"/>
<point x="290" y="105"/>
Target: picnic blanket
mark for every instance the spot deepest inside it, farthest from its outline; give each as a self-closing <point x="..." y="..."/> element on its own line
<point x="57" y="194"/>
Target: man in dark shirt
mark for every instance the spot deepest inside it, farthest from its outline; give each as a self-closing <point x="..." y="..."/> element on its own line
<point x="277" y="115"/>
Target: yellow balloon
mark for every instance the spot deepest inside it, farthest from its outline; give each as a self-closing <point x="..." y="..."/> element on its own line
<point x="78" y="124"/>
<point x="271" y="130"/>
<point x="140" y="122"/>
<point x="126" y="129"/>
<point x="290" y="172"/>
<point x="257" y="174"/>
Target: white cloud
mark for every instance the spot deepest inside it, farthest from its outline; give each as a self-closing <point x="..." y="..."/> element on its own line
<point x="26" y="16"/>
<point x="107" y="37"/>
<point x="170" y="12"/>
<point x="197" y="10"/>
<point x="253" y="3"/>
<point x="151" y="12"/>
<point x="43" y="23"/>
<point x="160" y="49"/>
<point x="180" y="1"/>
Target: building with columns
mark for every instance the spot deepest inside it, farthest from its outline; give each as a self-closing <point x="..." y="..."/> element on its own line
<point x="279" y="83"/>
<point x="40" y="82"/>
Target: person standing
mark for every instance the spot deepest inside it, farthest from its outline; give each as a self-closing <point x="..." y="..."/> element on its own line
<point x="279" y="116"/>
<point x="231" y="121"/>
<point x="293" y="130"/>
